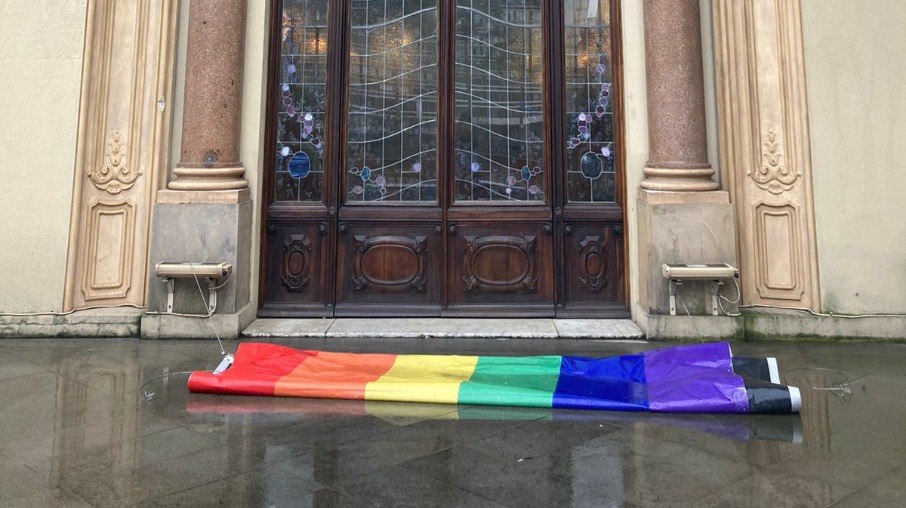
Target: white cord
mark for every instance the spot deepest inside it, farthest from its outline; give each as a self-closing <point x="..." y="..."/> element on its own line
<point x="822" y="314"/>
<point x="732" y="302"/>
<point x="59" y="314"/>
<point x="800" y="309"/>
<point x="210" y="312"/>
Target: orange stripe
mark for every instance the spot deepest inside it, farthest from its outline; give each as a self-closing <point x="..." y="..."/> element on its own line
<point x="334" y="375"/>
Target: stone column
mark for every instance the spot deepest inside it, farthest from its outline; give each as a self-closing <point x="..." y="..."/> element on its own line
<point x="213" y="100"/>
<point x="205" y="215"/>
<point x="683" y="216"/>
<point x="678" y="145"/>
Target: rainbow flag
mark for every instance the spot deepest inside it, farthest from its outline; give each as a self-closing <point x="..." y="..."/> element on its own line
<point x="701" y="378"/>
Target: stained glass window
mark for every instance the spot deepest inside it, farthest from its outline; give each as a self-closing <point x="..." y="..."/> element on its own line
<point x="499" y="124"/>
<point x="300" y="114"/>
<point x="589" y="101"/>
<point x="392" y="145"/>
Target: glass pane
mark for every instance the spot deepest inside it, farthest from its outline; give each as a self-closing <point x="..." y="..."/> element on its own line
<point x="589" y="108"/>
<point x="499" y="101"/>
<point x="392" y="145"/>
<point x="300" y="114"/>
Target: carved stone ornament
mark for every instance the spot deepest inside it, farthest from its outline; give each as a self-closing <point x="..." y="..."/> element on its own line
<point x="774" y="176"/>
<point x="115" y="176"/>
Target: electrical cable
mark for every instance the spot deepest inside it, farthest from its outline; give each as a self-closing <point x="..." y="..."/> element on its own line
<point x="60" y="314"/>
<point x="732" y="302"/>
<point x="210" y="310"/>
<point x="842" y="389"/>
<point x="149" y="395"/>
<point x="204" y="302"/>
<point x="822" y="314"/>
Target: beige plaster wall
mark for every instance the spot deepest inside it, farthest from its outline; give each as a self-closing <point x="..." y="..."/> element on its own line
<point x="855" y="55"/>
<point x="40" y="78"/>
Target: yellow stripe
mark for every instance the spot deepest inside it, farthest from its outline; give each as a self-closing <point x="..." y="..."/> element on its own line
<point x="423" y="378"/>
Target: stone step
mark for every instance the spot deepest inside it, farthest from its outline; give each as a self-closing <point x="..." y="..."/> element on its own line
<point x="611" y="329"/>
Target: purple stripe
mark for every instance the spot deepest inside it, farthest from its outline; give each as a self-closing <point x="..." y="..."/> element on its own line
<point x="694" y="379"/>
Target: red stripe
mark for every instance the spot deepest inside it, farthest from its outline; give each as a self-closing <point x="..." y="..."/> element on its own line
<point x="255" y="371"/>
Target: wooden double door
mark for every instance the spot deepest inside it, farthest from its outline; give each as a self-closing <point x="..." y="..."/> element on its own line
<point x="443" y="158"/>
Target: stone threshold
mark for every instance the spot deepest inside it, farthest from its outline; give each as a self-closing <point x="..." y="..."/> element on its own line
<point x="116" y="322"/>
<point x="448" y="328"/>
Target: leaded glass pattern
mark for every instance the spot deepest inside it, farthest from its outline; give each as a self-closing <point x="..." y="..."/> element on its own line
<point x="391" y="153"/>
<point x="300" y="109"/>
<point x="589" y="102"/>
<point x="499" y="129"/>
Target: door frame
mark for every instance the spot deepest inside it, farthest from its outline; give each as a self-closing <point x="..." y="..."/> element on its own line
<point x="334" y="160"/>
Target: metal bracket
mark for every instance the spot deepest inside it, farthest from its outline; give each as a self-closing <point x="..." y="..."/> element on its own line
<point x="715" y="290"/>
<point x="171" y="290"/>
<point x="673" y="284"/>
<point x="212" y="296"/>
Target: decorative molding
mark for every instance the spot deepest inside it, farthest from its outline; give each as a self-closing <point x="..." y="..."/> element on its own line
<point x="773" y="176"/>
<point x="115" y="176"/>
<point x="778" y="242"/>
<point x="515" y="248"/>
<point x="765" y="148"/>
<point x="593" y="265"/>
<point x="297" y="263"/>
<point x="123" y="134"/>
<point x="107" y="267"/>
<point x="410" y="255"/>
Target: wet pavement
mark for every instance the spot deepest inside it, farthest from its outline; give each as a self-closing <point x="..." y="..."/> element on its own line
<point x="110" y="423"/>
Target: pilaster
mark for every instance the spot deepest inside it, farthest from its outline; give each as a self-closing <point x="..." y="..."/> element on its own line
<point x="121" y="159"/>
<point x="765" y="151"/>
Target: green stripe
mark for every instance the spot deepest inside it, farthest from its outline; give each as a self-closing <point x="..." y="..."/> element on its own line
<point x="506" y="381"/>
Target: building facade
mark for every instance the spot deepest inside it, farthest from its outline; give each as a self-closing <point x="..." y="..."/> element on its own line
<point x="467" y="158"/>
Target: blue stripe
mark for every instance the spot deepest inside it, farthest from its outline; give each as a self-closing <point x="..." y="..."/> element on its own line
<point x="616" y="383"/>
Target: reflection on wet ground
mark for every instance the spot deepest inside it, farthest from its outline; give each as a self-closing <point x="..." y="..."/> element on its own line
<point x="109" y="422"/>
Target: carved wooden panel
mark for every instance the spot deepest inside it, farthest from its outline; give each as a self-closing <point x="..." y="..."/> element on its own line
<point x="593" y="264"/>
<point x="388" y="269"/>
<point x="297" y="263"/>
<point x="294" y="282"/>
<point x="507" y="266"/>
<point x="390" y="264"/>
<point x="500" y="264"/>
<point x="592" y="256"/>
<point x="122" y="147"/>
<point x="107" y="271"/>
<point x="765" y="150"/>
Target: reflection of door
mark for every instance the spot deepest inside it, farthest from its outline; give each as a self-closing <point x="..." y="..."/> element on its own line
<point x="439" y="158"/>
